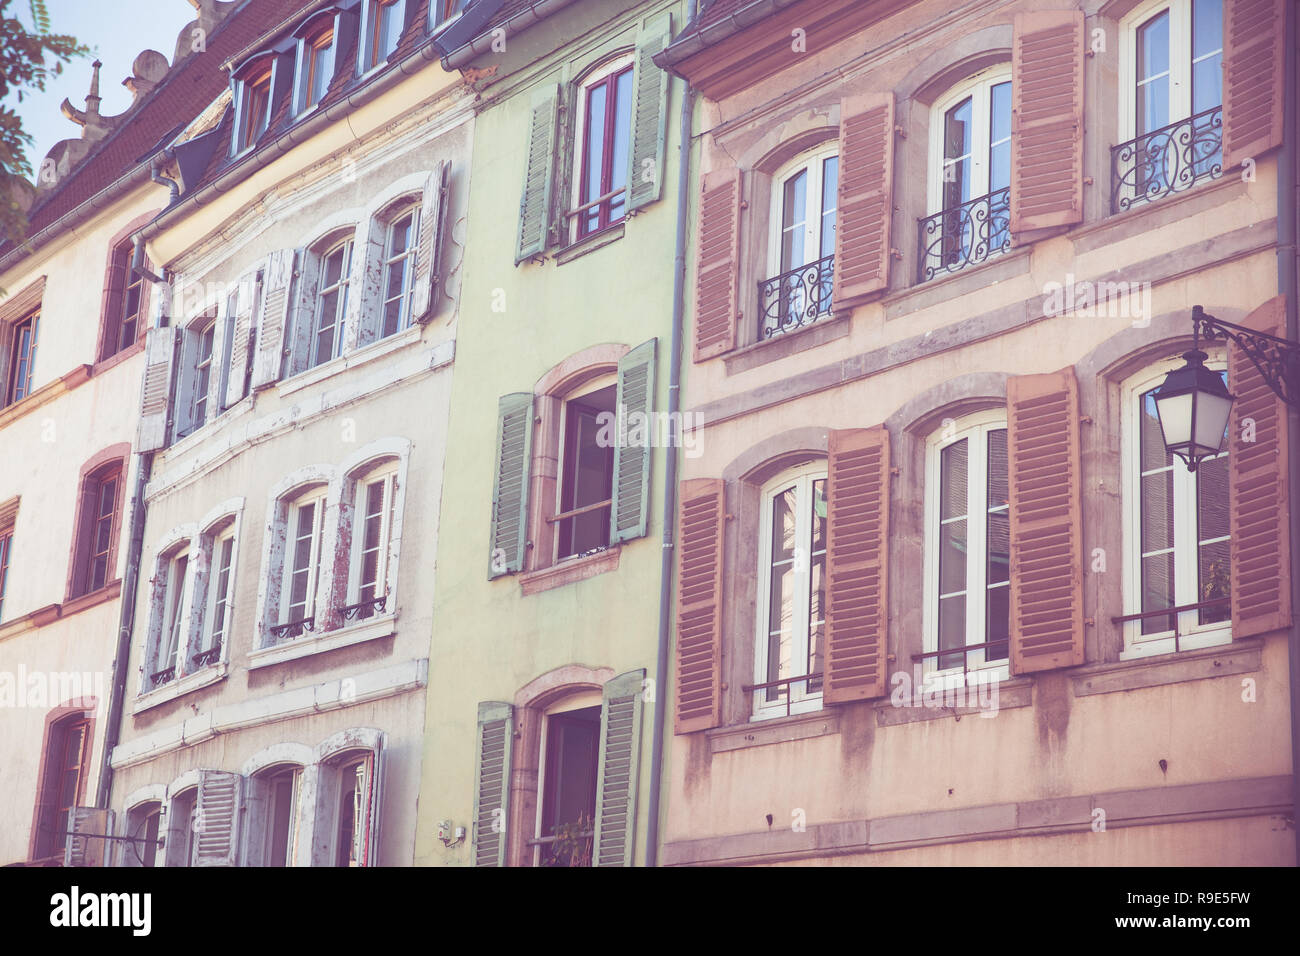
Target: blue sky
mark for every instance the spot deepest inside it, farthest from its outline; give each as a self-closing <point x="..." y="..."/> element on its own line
<point x="116" y="31"/>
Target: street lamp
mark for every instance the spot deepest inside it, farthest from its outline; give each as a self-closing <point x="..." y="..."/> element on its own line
<point x="1193" y="404"/>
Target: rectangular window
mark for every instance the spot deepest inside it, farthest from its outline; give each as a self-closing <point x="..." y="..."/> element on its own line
<point x="386" y="23"/>
<point x="174" y="632"/>
<point x="399" y="272"/>
<point x="568" y="788"/>
<point x="101" y="540"/>
<point x="318" y="68"/>
<point x="331" y="304"/>
<point x="587" y="485"/>
<point x="353" y="836"/>
<point x="444" y="11"/>
<point x="306" y="524"/>
<point x="255" y="109"/>
<point x="216" y="625"/>
<point x="6" y="545"/>
<point x="202" y="378"/>
<point x="22" y="359"/>
<point x="607" y="131"/>
<point x="282" y="819"/>
<point x="375" y="502"/>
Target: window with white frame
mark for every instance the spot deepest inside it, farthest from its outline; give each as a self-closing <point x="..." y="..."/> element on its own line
<point x="302" y="560"/>
<point x="1171" y="98"/>
<point x="331" y="303"/>
<point x="143" y="825"/>
<point x="355" y="799"/>
<point x="220" y="587"/>
<point x="172" y="635"/>
<point x="273" y="816"/>
<point x="399" y="270"/>
<point x="566" y="783"/>
<point x="196" y="379"/>
<point x="1176" y="531"/>
<point x="385" y="20"/>
<point x="443" y="12"/>
<point x="369" y="580"/>
<point x="967" y="547"/>
<point x="253" y="91"/>
<point x="801" y="243"/>
<point x="791" y="619"/>
<point x="586" y="485"/>
<point x="969" y="206"/>
<point x="317" y="47"/>
<point x="179" y="847"/>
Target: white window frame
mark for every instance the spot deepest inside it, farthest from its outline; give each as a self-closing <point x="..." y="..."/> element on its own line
<point x="801" y="701"/>
<point x="268" y="780"/>
<point x="173" y="637"/>
<point x="580" y="701"/>
<point x="1192" y="634"/>
<point x="240" y="100"/>
<point x="386" y="473"/>
<point x="343" y="287"/>
<point x="409" y="257"/>
<point x="1180" y="66"/>
<point x="813" y="162"/>
<point x="616" y="64"/>
<point x="302" y="63"/>
<point x="370" y="56"/>
<point x="980" y="90"/>
<point x="974" y="429"/>
<point x="216" y="596"/>
<point x="317" y="498"/>
<point x="437" y="23"/>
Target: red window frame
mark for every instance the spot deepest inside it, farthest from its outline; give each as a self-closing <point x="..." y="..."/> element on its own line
<point x="55" y="808"/>
<point x="6" y="546"/>
<point x="98" y="528"/>
<point x="607" y="196"/>
<point x="23" y="356"/>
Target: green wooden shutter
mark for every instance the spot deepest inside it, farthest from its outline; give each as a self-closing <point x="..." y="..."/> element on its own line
<point x="645" y="172"/>
<point x="535" y="204"/>
<point x="492" y="782"/>
<point x="635" y="408"/>
<point x="617" y="773"/>
<point x="510" y="486"/>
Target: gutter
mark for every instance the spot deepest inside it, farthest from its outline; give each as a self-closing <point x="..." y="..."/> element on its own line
<point x="482" y="43"/>
<point x="667" y="562"/>
<point x="715" y="33"/>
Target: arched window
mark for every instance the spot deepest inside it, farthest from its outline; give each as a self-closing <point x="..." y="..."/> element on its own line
<point x="273" y="798"/>
<point x="142" y="828"/>
<point x="65" y="766"/>
<point x="253" y="100"/>
<point x="299" y="577"/>
<point x="401" y="240"/>
<point x="791" y="620"/>
<point x="801" y="241"/>
<point x="969" y="174"/>
<point x="331" y="303"/>
<point x="98" y="522"/>
<point x="967" y="546"/>
<point x="371" y="556"/>
<point x="317" y="54"/>
<point x="566" y="785"/>
<point x="22" y="361"/>
<point x="180" y="842"/>
<point x="125" y="302"/>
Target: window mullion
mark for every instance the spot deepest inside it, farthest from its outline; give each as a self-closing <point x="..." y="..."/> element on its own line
<point x="976" y="542"/>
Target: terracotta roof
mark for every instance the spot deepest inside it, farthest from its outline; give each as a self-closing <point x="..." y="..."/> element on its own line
<point x="188" y="87"/>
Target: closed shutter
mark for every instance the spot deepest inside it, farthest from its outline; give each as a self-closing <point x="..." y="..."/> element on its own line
<point x="160" y="352"/>
<point x="1047" y="120"/>
<point x="649" y="115"/>
<point x="280" y="272"/>
<point x="1259" y="515"/>
<point x="701" y="526"/>
<point x="618" y="771"/>
<point x="856" y="564"/>
<point x="535" y="204"/>
<point x="717" y="258"/>
<point x="492" y="782"/>
<point x="635" y="410"/>
<point x="510" y="484"/>
<point x="1252" y="78"/>
<point x="1044" y="488"/>
<point x="216" y="836"/>
<point x="81" y="848"/>
<point x="424" y="290"/>
<point x="865" y="205"/>
<point x="375" y="804"/>
<point x="239" y="348"/>
<point x="187" y="359"/>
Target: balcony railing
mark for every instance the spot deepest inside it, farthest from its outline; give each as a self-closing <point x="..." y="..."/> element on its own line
<point x="204" y="658"/>
<point x="1167" y="160"/>
<point x="363" y="610"/>
<point x="965" y="235"/>
<point x="165" y="676"/>
<point x="796" y="298"/>
<point x="292" y="629"/>
<point x="812" y="685"/>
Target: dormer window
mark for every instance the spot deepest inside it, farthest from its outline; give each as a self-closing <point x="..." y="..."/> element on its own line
<point x="442" y="12"/>
<point x="317" y="45"/>
<point x="384" y="26"/>
<point x="254" y="86"/>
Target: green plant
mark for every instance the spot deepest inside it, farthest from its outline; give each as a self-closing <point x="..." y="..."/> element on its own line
<point x="573" y="843"/>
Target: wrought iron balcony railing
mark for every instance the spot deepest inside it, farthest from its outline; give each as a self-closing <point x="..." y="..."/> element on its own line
<point x="292" y="629"/>
<point x="1167" y="160"/>
<point x="204" y="658"/>
<point x="965" y="235"/>
<point x="165" y="676"/>
<point x="796" y="298"/>
<point x="365" y="609"/>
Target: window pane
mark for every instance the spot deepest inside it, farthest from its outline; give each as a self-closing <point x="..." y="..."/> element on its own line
<point x="1158" y="591"/>
<point x="998" y="495"/>
<point x="1212" y="498"/>
<point x="1153" y="451"/>
<point x="1153" y="74"/>
<point x="952" y="630"/>
<point x="830" y="190"/>
<point x="952" y="480"/>
<point x="997" y="624"/>
<point x="1000" y="137"/>
<point x="622" y="134"/>
<point x="1157" y="511"/>
<point x="794" y="207"/>
<point x="596" y="109"/>
<point x="952" y="556"/>
<point x="783" y="522"/>
<point x="1215" y="576"/>
<point x="957" y="154"/>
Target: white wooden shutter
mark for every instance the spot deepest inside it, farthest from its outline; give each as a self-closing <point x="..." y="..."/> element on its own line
<point x="428" y="279"/>
<point x="239" y="347"/>
<point x="155" y="395"/>
<point x="281" y="267"/>
<point x="216" y="836"/>
<point x="373" y="816"/>
<point x="81" y="848"/>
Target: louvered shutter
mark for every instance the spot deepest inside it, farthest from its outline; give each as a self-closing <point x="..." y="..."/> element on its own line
<point x="216" y="837"/>
<point x="81" y="848"/>
<point x="492" y="782"/>
<point x="239" y="348"/>
<point x="1047" y="120"/>
<point x="280" y="272"/>
<point x="1259" y="509"/>
<point x="160" y="354"/>
<point x="510" y="484"/>
<point x="618" y="770"/>
<point x="857" y="572"/>
<point x="649" y="115"/>
<point x="635" y="409"/>
<point x="864" y="205"/>
<point x="1253" y="78"/>
<point x="427" y="278"/>
<point x="374" y="817"/>
<point x="181" y="420"/>
<point x="716" y="262"/>
<point x="535" y="204"/>
<point x="702" y="523"/>
<point x="1044" y="488"/>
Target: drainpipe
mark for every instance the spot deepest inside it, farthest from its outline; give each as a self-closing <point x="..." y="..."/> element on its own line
<point x="1288" y="266"/>
<point x="155" y="173"/>
<point x="670" y="462"/>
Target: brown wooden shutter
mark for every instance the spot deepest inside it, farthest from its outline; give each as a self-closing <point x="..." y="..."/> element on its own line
<point x="1258" y="505"/>
<point x="1252" y="78"/>
<point x="1047" y="120"/>
<point x="865" y="204"/>
<point x="1044" y="487"/>
<point x="856" y="564"/>
<point x="701" y="526"/>
<point x="717" y="258"/>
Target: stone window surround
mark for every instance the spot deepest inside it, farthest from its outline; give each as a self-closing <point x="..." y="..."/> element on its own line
<point x="106" y="307"/>
<point x="79" y="542"/>
<point x="332" y="585"/>
<point x="88" y="708"/>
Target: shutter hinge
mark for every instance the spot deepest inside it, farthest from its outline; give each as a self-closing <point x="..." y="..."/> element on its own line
<point x="728" y="516"/>
<point x="1085" y="420"/>
<point x="895" y="470"/>
<point x="900" y="132"/>
<point x="1087" y="180"/>
<point x="1089" y="622"/>
<point x="894" y="253"/>
<point x="744" y="204"/>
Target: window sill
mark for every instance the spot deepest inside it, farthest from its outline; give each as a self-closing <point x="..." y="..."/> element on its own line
<point x="180" y="687"/>
<point x="834" y="326"/>
<point x="38" y="397"/>
<point x="939" y="696"/>
<point x="74" y="604"/>
<point x="775" y="730"/>
<point x="1144" y="217"/>
<point x="99" y="368"/>
<point x="300" y="647"/>
<point x="1239" y="657"/>
<point x="590" y="243"/>
<point x="569" y="571"/>
<point x="1209" y="636"/>
<point x="977" y="278"/>
<point x="367" y="353"/>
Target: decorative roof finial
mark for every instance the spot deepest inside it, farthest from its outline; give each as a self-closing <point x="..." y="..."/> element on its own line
<point x="93" y="98"/>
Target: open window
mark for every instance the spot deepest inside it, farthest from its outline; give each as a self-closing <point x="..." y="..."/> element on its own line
<point x="253" y="101"/>
<point x="601" y="150"/>
<point x="566" y="810"/>
<point x="587" y="471"/>
<point x="144" y="835"/>
<point x="180" y="825"/>
<point x="218" y="548"/>
<point x="22" y="357"/>
<point x="385" y="21"/>
<point x="370" y="578"/>
<point x="273" y="809"/>
<point x="66" y="763"/>
<point x="169" y="628"/>
<point x="443" y="12"/>
<point x="335" y="268"/>
<point x="195" y="386"/>
<point x="317" y="56"/>
<point x="401" y="242"/>
<point x="125" y="303"/>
